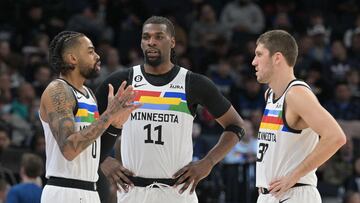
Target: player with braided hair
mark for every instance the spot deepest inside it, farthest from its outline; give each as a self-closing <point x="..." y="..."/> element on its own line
<point x="71" y="122"/>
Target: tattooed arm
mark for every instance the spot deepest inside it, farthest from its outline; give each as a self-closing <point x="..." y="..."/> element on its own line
<point x="57" y="104"/>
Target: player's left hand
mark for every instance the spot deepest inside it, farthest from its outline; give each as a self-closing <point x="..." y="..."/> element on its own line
<point x="192" y="174"/>
<point x="279" y="186"/>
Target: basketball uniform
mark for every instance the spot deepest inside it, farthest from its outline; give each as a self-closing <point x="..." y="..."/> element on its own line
<point x="281" y="149"/>
<point x="84" y="167"/>
<point x="156" y="140"/>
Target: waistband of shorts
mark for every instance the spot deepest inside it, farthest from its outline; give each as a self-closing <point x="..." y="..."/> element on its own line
<point x="143" y="182"/>
<point x="265" y="191"/>
<point x="72" y="183"/>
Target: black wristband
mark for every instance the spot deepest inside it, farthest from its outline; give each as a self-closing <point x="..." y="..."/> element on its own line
<point x="114" y="131"/>
<point x="239" y="131"/>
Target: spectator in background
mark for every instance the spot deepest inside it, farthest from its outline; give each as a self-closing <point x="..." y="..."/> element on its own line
<point x="353" y="80"/>
<point x="340" y="166"/>
<point x="348" y="35"/>
<point x="319" y="84"/>
<point x="352" y="197"/>
<point x="339" y="64"/>
<point x="320" y="50"/>
<point x="206" y="29"/>
<point x="5" y="173"/>
<point x="352" y="184"/>
<point x="6" y="95"/>
<point x="112" y="64"/>
<point x="42" y="77"/>
<point x="249" y="97"/>
<point x="4" y="188"/>
<point x="30" y="188"/>
<point x="223" y="77"/>
<point x="342" y="106"/>
<point x="243" y="16"/>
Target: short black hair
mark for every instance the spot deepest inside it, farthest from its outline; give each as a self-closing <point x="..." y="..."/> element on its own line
<point x="33" y="165"/>
<point x="58" y="45"/>
<point x="161" y="20"/>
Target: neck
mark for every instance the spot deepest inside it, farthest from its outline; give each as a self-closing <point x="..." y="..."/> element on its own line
<point x="161" y="69"/>
<point x="26" y="179"/>
<point x="74" y="80"/>
<point x="281" y="80"/>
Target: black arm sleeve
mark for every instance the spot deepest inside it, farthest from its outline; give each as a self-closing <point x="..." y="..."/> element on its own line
<point x="115" y="79"/>
<point x="201" y="90"/>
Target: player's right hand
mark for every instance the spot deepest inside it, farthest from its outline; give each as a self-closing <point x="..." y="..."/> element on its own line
<point x="116" y="174"/>
<point x="121" y="104"/>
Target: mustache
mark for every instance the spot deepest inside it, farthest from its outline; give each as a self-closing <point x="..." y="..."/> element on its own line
<point x="152" y="49"/>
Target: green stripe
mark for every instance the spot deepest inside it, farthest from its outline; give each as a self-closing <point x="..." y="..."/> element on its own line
<point x="182" y="107"/>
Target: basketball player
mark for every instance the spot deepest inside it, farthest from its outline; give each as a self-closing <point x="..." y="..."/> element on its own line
<point x="71" y="122"/>
<point x="296" y="134"/>
<point x="156" y="141"/>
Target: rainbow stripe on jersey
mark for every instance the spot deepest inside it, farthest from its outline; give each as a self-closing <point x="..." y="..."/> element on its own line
<point x="171" y="101"/>
<point x="272" y="120"/>
<point x="86" y="113"/>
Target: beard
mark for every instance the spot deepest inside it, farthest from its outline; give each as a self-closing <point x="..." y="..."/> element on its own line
<point x="153" y="61"/>
<point x="90" y="73"/>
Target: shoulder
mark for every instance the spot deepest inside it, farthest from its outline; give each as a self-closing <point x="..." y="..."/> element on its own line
<point x="198" y="78"/>
<point x="300" y="97"/>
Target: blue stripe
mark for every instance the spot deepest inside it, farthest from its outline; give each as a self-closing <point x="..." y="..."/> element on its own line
<point x="156" y="106"/>
<point x="273" y="112"/>
<point x="77" y="119"/>
<point x="89" y="107"/>
<point x="175" y="95"/>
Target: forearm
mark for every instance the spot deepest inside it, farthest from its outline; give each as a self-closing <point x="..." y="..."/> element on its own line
<point x="74" y="144"/>
<point x="226" y="142"/>
<point x="321" y="153"/>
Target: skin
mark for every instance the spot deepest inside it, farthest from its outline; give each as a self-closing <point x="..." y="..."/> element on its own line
<point x="303" y="110"/>
<point x="58" y="102"/>
<point x="156" y="38"/>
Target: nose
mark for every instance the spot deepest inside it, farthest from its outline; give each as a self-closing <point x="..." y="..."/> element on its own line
<point x="254" y="61"/>
<point x="97" y="56"/>
<point x="152" y="41"/>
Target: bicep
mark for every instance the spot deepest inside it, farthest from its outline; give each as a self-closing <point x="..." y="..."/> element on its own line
<point x="305" y="104"/>
<point x="59" y="104"/>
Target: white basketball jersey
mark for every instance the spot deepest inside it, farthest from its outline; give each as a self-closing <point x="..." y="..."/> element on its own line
<point x="85" y="165"/>
<point x="156" y="140"/>
<point x="280" y="148"/>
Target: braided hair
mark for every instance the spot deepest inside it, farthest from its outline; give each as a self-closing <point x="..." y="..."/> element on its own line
<point x="58" y="45"/>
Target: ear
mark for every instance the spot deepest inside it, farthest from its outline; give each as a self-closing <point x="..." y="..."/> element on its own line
<point x="173" y="42"/>
<point x="277" y="57"/>
<point x="70" y="58"/>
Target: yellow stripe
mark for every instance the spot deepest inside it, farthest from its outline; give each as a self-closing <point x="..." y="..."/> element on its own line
<point x="160" y="100"/>
<point x="83" y="112"/>
<point x="270" y="126"/>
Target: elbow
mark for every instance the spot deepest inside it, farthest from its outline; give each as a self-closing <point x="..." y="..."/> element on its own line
<point x="340" y="140"/>
<point x="68" y="155"/>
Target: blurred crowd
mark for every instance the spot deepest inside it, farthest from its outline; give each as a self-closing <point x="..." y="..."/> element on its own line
<point x="213" y="37"/>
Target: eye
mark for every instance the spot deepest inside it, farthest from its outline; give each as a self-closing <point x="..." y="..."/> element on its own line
<point x="159" y="37"/>
<point x="145" y="37"/>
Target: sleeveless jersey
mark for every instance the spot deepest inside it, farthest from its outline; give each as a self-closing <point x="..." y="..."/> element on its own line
<point x="156" y="140"/>
<point x="280" y="148"/>
<point x="85" y="165"/>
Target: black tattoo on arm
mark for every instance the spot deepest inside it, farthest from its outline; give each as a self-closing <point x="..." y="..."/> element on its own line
<point x="62" y="122"/>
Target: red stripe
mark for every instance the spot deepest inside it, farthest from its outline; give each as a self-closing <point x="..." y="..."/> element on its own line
<point x="140" y="93"/>
<point x="272" y="119"/>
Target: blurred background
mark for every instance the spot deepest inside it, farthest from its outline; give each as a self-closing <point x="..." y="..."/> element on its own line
<point x="213" y="37"/>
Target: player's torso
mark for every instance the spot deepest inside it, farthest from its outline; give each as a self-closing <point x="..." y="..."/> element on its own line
<point x="281" y="148"/>
<point x="85" y="165"/>
<point x="156" y="140"/>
